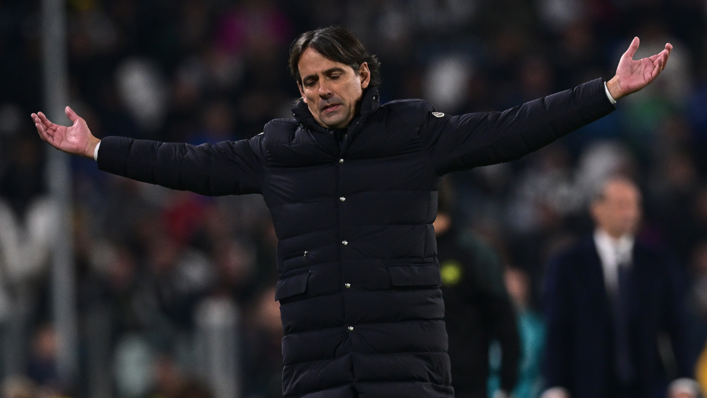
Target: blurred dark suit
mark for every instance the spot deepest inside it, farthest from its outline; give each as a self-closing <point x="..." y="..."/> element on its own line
<point x="581" y="329"/>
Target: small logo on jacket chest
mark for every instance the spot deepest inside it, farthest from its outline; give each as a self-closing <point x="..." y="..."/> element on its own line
<point x="437" y="114"/>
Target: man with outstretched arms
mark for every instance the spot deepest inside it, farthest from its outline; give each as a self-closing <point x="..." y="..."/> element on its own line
<point x="352" y="188"/>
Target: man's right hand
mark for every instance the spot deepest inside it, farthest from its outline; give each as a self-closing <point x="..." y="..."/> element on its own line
<point x="633" y="75"/>
<point x="75" y="139"/>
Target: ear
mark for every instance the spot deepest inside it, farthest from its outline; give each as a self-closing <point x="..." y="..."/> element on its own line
<point x="301" y="92"/>
<point x="365" y="75"/>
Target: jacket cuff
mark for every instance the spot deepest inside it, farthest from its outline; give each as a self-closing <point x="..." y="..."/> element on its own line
<point x="608" y="94"/>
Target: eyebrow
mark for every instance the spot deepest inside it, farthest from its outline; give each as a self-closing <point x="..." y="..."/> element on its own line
<point x="326" y="72"/>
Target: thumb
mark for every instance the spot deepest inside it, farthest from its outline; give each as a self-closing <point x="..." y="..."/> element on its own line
<point x="633" y="47"/>
<point x="71" y="114"/>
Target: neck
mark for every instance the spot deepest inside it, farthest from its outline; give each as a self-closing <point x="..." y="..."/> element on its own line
<point x="615" y="236"/>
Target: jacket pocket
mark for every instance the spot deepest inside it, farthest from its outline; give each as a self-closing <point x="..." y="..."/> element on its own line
<point x="295" y="255"/>
<point x="292" y="285"/>
<point x="415" y="275"/>
<point x="294" y="261"/>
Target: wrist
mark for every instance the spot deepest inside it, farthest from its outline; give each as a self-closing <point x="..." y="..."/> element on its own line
<point x="614" y="88"/>
<point x="91" y="147"/>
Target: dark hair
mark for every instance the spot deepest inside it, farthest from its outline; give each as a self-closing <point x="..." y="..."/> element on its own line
<point x="338" y="45"/>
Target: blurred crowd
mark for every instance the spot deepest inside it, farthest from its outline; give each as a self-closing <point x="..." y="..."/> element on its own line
<point x="158" y="270"/>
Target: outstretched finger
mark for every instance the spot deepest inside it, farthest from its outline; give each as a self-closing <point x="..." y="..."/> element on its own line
<point x="43" y="132"/>
<point x="633" y="47"/>
<point x="654" y="57"/>
<point x="38" y="123"/>
<point x="44" y="126"/>
<point x="657" y="58"/>
<point x="43" y="119"/>
<point x="71" y="114"/>
<point x="661" y="60"/>
<point x="668" y="49"/>
<point x="662" y="56"/>
<point x="659" y="66"/>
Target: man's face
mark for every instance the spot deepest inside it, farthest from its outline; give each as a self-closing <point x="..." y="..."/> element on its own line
<point x="619" y="211"/>
<point x="331" y="89"/>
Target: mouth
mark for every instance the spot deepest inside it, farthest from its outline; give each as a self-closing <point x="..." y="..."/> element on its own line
<point x="331" y="108"/>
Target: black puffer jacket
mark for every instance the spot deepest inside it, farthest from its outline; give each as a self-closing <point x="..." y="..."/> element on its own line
<point x="359" y="283"/>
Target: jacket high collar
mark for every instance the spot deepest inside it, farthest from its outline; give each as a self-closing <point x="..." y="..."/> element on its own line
<point x="370" y="102"/>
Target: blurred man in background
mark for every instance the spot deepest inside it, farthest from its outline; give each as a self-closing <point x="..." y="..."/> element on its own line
<point x="478" y="309"/>
<point x="610" y="302"/>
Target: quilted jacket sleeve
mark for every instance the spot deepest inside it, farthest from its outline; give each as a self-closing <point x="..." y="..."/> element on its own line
<point x="479" y="139"/>
<point x="225" y="168"/>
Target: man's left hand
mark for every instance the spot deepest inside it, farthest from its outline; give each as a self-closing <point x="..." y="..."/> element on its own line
<point x="632" y="75"/>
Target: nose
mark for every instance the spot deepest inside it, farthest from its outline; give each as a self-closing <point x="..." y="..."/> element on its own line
<point x="324" y="90"/>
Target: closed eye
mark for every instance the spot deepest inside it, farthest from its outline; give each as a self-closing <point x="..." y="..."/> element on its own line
<point x="334" y="73"/>
<point x="309" y="82"/>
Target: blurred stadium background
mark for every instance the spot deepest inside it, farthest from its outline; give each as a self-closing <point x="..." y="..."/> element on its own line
<point x="170" y="294"/>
